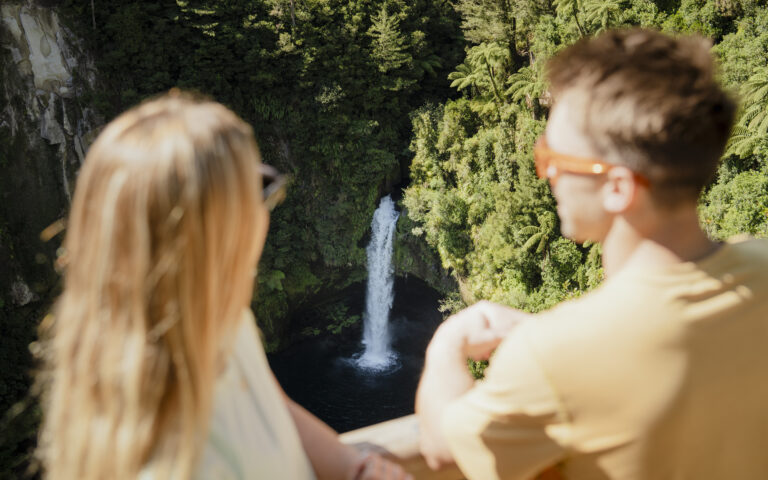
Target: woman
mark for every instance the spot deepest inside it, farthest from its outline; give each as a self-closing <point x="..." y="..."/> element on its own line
<point x="156" y="370"/>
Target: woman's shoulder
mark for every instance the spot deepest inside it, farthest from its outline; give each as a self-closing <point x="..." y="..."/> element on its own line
<point x="251" y="432"/>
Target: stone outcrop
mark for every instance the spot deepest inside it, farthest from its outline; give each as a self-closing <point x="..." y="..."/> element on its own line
<point x="45" y="128"/>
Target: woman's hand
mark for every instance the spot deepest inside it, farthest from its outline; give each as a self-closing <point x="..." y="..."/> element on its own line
<point x="332" y="459"/>
<point x="373" y="466"/>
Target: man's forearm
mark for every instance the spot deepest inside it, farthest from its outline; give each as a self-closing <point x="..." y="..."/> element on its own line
<point x="472" y="333"/>
<point x="445" y="378"/>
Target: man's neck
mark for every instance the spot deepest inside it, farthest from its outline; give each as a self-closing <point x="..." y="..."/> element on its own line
<point x="655" y="239"/>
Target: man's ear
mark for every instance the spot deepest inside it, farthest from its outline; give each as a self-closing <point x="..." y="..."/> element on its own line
<point x="620" y="190"/>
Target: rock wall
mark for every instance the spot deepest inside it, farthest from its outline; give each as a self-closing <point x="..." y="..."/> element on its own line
<point x="413" y="256"/>
<point x="45" y="128"/>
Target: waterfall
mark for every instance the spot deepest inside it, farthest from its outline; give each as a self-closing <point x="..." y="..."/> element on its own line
<point x="379" y="295"/>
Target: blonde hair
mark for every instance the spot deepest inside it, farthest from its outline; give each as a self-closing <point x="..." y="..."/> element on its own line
<point x="162" y="242"/>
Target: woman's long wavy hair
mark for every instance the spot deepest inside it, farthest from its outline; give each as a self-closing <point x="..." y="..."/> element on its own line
<point x="165" y="230"/>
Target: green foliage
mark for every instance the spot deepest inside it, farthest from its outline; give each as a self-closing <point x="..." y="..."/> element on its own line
<point x="477" y="202"/>
<point x="703" y="17"/>
<point x="336" y="89"/>
<point x="603" y="15"/>
<point x="327" y="86"/>
<point x="19" y="412"/>
<point x="591" y="272"/>
<point x="336" y="327"/>
<point x="571" y="8"/>
<point x="338" y="317"/>
<point x="738" y="205"/>
<point x="500" y="21"/>
<point x="486" y="20"/>
<point x="474" y="196"/>
<point x="736" y="202"/>
<point x="389" y="46"/>
<point x="477" y="369"/>
<point x="311" y="332"/>
<point x="452" y="303"/>
<point x="413" y="256"/>
<point x="742" y="51"/>
<point x="539" y="236"/>
<point x="484" y="73"/>
<point x="526" y="88"/>
<point x="751" y="130"/>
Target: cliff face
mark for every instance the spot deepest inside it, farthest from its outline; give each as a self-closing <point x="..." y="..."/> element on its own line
<point x="45" y="128"/>
<point x="44" y="131"/>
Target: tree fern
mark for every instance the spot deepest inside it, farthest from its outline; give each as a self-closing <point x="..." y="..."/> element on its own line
<point x="525" y="87"/>
<point x="569" y="7"/>
<point x="602" y="14"/>
<point x="428" y="64"/>
<point x="540" y="235"/>
<point x="492" y="59"/>
<point x="752" y="126"/>
<point x="756" y="88"/>
<point x="743" y="142"/>
<point x="484" y="69"/>
<point x="463" y="77"/>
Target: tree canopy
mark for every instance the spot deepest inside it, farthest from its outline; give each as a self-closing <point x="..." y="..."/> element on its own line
<point x="473" y="191"/>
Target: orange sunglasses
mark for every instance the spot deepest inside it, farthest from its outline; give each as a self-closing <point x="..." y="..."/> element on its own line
<point x="550" y="164"/>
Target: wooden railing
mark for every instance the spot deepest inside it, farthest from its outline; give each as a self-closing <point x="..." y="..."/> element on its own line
<point x="398" y="440"/>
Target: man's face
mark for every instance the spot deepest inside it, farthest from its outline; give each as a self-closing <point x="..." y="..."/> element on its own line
<point x="579" y="199"/>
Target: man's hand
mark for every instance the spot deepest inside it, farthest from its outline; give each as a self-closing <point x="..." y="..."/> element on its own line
<point x="477" y="331"/>
<point x="472" y="333"/>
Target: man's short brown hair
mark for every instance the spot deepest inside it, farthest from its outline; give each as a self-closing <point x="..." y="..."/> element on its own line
<point x="652" y="104"/>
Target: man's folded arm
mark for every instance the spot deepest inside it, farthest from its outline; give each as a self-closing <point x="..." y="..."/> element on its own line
<point x="472" y="333"/>
<point x="510" y="425"/>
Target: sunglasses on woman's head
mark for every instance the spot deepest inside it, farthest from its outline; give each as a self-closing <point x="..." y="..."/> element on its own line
<point x="273" y="186"/>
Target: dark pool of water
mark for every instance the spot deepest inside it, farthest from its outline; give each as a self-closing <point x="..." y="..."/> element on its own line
<point x="320" y="373"/>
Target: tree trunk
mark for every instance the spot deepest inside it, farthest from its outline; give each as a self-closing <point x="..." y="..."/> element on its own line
<point x="496" y="93"/>
<point x="511" y="21"/>
<point x="576" y="17"/>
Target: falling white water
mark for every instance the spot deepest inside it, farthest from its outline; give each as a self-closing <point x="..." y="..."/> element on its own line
<point x="379" y="296"/>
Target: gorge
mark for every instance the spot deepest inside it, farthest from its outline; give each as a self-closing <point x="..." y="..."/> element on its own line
<point x="436" y="103"/>
<point x="68" y="70"/>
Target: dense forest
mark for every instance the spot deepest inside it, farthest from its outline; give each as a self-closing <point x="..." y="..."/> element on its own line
<point x="328" y="88"/>
<point x="473" y="191"/>
<point x="357" y="98"/>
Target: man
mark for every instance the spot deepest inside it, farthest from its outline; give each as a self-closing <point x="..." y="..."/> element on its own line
<point x="662" y="372"/>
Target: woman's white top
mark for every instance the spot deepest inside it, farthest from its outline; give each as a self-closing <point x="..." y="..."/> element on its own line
<point x="252" y="434"/>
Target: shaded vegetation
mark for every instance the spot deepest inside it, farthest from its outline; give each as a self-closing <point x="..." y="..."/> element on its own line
<point x="327" y="85"/>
